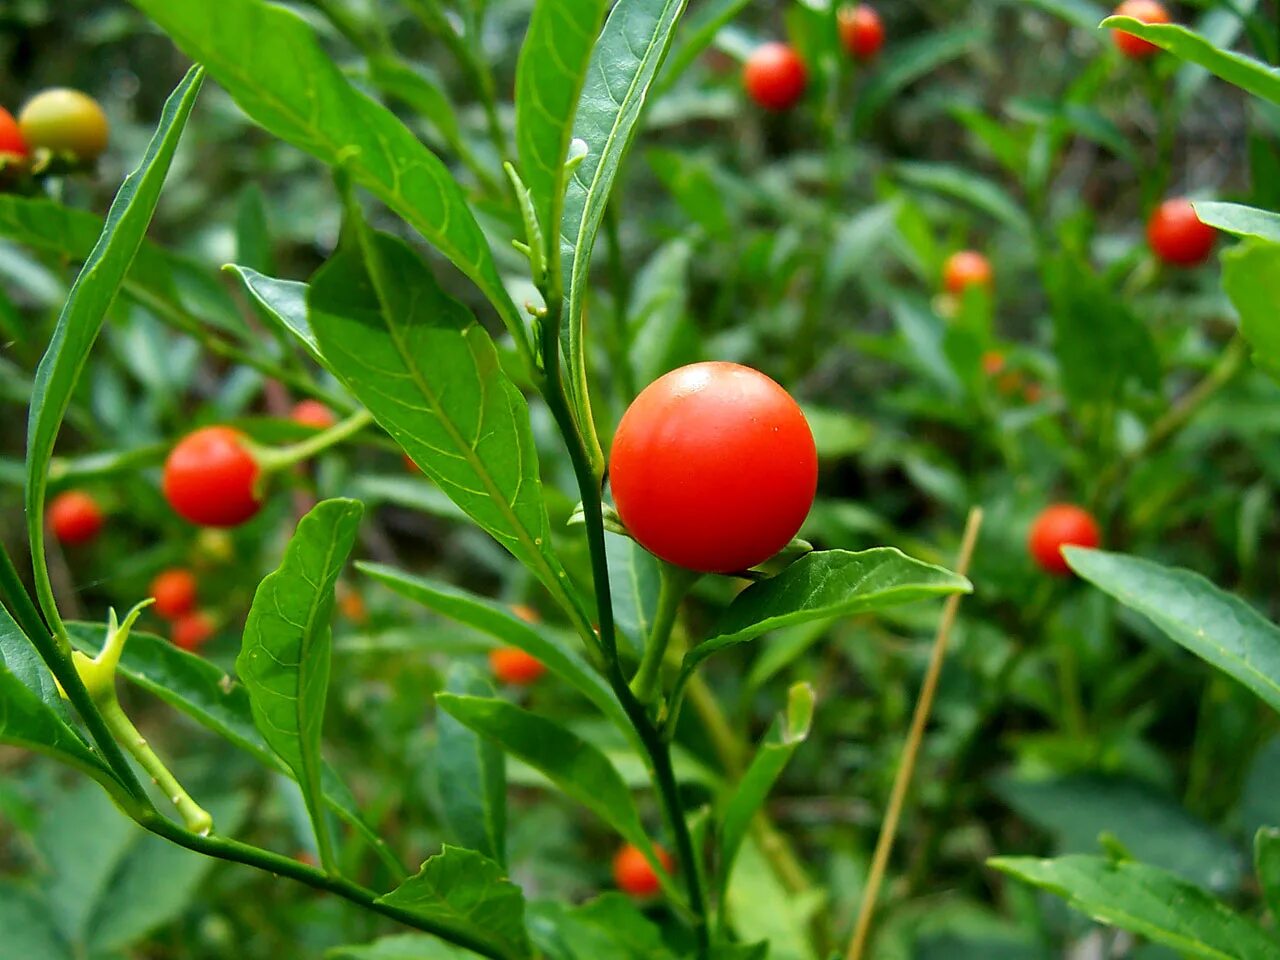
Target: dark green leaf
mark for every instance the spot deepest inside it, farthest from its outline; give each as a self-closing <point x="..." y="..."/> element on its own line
<point x="19" y="657"/>
<point x="609" y="926"/>
<point x="469" y="773"/>
<point x="909" y="62"/>
<point x="467" y="894"/>
<point x="1211" y="623"/>
<point x="1266" y="859"/>
<point x="1251" y="277"/>
<point x="28" y="722"/>
<point x="1146" y="901"/>
<point x="29" y="930"/>
<point x="634" y="581"/>
<point x="284" y="658"/>
<point x="85" y="310"/>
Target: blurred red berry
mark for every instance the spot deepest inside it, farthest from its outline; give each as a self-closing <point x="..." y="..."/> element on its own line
<point x="964" y="269"/>
<point x="314" y="414"/>
<point x="175" y="593"/>
<point x="192" y="631"/>
<point x="210" y="478"/>
<point x="1061" y="525"/>
<point x="12" y="143"/>
<point x="861" y="31"/>
<point x="633" y="873"/>
<point x="1177" y="236"/>
<point x="775" y="76"/>
<point x="1144" y="11"/>
<point x="512" y="665"/>
<point x="75" y="517"/>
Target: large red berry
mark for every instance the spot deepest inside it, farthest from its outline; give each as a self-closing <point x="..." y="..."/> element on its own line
<point x="1144" y="11"/>
<point x="1178" y="236"/>
<point x="174" y="592"/>
<point x="633" y="873"/>
<point x="965" y="269"/>
<point x="192" y="631"/>
<point x="861" y="31"/>
<point x="312" y="413"/>
<point x="775" y="76"/>
<point x="210" y="478"/>
<point x="12" y="143"/>
<point x="512" y="665"/>
<point x="65" y="121"/>
<point x="1061" y="525"/>
<point x="75" y="517"/>
<point x="713" y="467"/>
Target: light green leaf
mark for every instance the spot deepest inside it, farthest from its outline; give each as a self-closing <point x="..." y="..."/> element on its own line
<point x="85" y="310"/>
<point x="29" y="931"/>
<point x="1146" y="901"/>
<point x="1251" y="278"/>
<point x="284" y="658"/>
<point x="1211" y="623"/>
<point x="634" y="581"/>
<point x="421" y="92"/>
<point x="963" y="184"/>
<point x="1239" y="219"/>
<point x="468" y="897"/>
<point x="271" y="63"/>
<point x="282" y="301"/>
<point x="610" y="926"/>
<point x="1266" y="859"/>
<point x="785" y="924"/>
<point x="1244" y="72"/>
<point x="406" y="946"/>
<point x="469" y="774"/>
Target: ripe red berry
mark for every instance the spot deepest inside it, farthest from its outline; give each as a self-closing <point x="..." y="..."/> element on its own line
<point x="634" y="875"/>
<point x="964" y="269"/>
<point x="775" y="76"/>
<point x="175" y="593"/>
<point x="210" y="478"/>
<point x="314" y="414"/>
<point x="713" y="467"/>
<point x="75" y="517"/>
<point x="65" y="121"/>
<point x="1061" y="525"/>
<point x="512" y="665"/>
<point x="12" y="143"/>
<point x="861" y="31"/>
<point x="1144" y="11"/>
<point x="1177" y="236"/>
<point x="992" y="362"/>
<point x="190" y="632"/>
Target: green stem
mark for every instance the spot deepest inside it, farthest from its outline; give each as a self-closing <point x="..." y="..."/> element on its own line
<point x="1069" y="690"/>
<point x="271" y="460"/>
<point x="675" y="584"/>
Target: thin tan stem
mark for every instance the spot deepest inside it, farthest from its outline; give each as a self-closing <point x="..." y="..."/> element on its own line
<point x="919" y="720"/>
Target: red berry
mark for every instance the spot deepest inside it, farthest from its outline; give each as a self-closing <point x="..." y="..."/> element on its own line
<point x="75" y="517"/>
<point x="512" y="665"/>
<point x="1144" y="11"/>
<point x="775" y="76"/>
<point x="861" y="31"/>
<point x="992" y="362"/>
<point x="633" y="873"/>
<point x="1177" y="236"/>
<point x="713" y="467"/>
<point x="314" y="414"/>
<point x="190" y="632"/>
<point x="1061" y="525"/>
<point x="175" y="593"/>
<point x="210" y="478"/>
<point x="65" y="121"/>
<point x="12" y="143"/>
<point x="964" y="269"/>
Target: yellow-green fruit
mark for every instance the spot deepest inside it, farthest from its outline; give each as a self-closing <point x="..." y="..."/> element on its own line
<point x="65" y="121"/>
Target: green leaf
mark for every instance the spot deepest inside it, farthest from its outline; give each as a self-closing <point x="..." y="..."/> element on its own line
<point x="784" y="737"/>
<point x="1239" y="219"/>
<point x="1221" y="26"/>
<point x="1211" y="623"/>
<point x="29" y="930"/>
<point x="579" y="769"/>
<point x="634" y="581"/>
<point x="1146" y="901"/>
<point x="610" y="926"/>
<point x="549" y="77"/>
<point x="468" y="896"/>
<point x="785" y="924"/>
<point x="1079" y="13"/>
<point x="200" y="689"/>
<point x="406" y="946"/>
<point x="1251" y="278"/>
<point x="85" y="310"/>
<point x="963" y="184"/>
<point x="18" y="655"/>
<point x="253" y="235"/>
<point x="498" y="621"/>
<point x="282" y="301"/>
<point x="271" y="63"/>
<point x="908" y="62"/>
<point x="1266" y="859"/>
<point x="1244" y="72"/>
<point x="700" y="29"/>
<point x="422" y="93"/>
<point x="624" y="63"/>
<point x="431" y="377"/>
<point x="824" y="585"/>
<point x="284" y="658"/>
<point x="469" y="774"/>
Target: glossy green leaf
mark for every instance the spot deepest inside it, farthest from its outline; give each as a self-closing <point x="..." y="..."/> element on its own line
<point x="623" y="66"/>
<point x="469" y="774"/>
<point x="609" y="926"/>
<point x="824" y="585"/>
<point x="284" y="302"/>
<point x="284" y="657"/>
<point x="18" y="655"/>
<point x="28" y="722"/>
<point x="498" y="621"/>
<point x="1266" y="860"/>
<point x="405" y="946"/>
<point x="908" y="62"/>
<point x="468" y="896"/>
<point x="785" y="735"/>
<point x="549" y="78"/>
<point x="1211" y="623"/>
<point x="271" y="63"/>
<point x="430" y="375"/>
<point x="1221" y="26"/>
<point x="84" y="312"/>
<point x="421" y="92"/>
<point x="1146" y="901"/>
<point x="579" y="769"/>
<point x="965" y="185"/>
<point x="635" y="578"/>
<point x="1239" y="219"/>
<point x="1244" y="72"/>
<point x="1251" y="278"/>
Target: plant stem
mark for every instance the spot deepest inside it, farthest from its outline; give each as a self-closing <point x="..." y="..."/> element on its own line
<point x="675" y="583"/>
<point x="271" y="460"/>
<point x="919" y="719"/>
